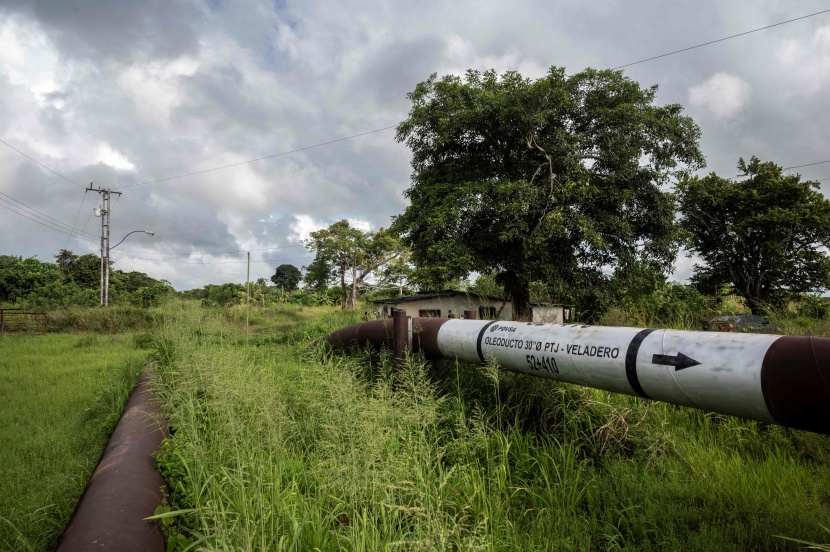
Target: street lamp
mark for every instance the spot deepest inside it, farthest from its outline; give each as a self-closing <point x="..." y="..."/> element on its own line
<point x="107" y="263"/>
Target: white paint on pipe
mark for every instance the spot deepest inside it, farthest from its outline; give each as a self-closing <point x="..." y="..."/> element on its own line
<point x="711" y="371"/>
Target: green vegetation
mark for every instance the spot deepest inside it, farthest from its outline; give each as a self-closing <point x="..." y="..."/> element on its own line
<point x="287" y="277"/>
<point x="73" y="281"/>
<point x="342" y="250"/>
<point x="549" y="190"/>
<point x="547" y="180"/>
<point x="764" y="234"/>
<point x="276" y="446"/>
<point x="60" y="398"/>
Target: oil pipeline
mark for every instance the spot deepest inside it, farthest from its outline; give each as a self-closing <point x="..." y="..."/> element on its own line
<point x="783" y="380"/>
<point x="125" y="487"/>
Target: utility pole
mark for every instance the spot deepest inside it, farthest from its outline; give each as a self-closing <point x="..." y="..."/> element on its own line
<point x="105" y="240"/>
<point x="248" y="289"/>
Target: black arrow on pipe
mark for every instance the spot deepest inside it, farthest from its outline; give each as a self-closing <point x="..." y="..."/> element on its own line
<point x="679" y="362"/>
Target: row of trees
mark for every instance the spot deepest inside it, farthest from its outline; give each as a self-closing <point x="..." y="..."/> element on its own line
<point x="565" y="180"/>
<point x="73" y="280"/>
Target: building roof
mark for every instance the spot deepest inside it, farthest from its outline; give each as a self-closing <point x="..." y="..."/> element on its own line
<point x="421" y="295"/>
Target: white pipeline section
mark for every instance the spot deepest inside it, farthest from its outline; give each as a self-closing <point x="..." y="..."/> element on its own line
<point x="710" y="371"/>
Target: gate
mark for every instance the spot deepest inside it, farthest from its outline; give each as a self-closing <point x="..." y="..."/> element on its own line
<point x="23" y="321"/>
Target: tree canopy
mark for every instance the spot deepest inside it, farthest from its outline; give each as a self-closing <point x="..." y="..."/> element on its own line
<point x="352" y="254"/>
<point x="287" y="277"/>
<point x="764" y="234"/>
<point x="547" y="180"/>
<point x="73" y="280"/>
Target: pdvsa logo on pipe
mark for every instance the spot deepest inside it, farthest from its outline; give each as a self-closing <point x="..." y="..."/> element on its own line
<point x="497" y="328"/>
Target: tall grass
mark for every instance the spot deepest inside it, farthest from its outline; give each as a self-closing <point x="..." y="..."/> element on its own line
<point x="60" y="398"/>
<point x="277" y="447"/>
<point x="108" y="320"/>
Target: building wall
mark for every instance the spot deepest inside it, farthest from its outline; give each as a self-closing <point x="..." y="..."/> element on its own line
<point x="457" y="305"/>
<point x="548" y="315"/>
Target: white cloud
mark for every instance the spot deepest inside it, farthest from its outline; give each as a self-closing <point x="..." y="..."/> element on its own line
<point x="808" y="62"/>
<point x="26" y="56"/>
<point x="724" y="95"/>
<point x="114" y="159"/>
<point x="304" y="225"/>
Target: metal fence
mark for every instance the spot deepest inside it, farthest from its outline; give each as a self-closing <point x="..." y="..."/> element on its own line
<point x="23" y="321"/>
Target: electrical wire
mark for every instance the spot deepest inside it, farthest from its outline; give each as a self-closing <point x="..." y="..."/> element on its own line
<point x="720" y="40"/>
<point x="45" y="224"/>
<point x="66" y="245"/>
<point x="807" y="165"/>
<point x="40" y="215"/>
<point x="41" y="164"/>
<point x="73" y="230"/>
<point x="257" y="159"/>
<point x="85" y="225"/>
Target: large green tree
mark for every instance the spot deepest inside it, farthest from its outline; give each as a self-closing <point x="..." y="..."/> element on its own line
<point x="287" y="277"/>
<point x="547" y="180"/>
<point x="338" y="247"/>
<point x="765" y="234"/>
<point x="354" y="255"/>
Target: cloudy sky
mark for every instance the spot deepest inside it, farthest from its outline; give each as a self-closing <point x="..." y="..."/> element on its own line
<point x="127" y="94"/>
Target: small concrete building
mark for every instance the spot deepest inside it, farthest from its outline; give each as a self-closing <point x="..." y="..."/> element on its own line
<point x="452" y="304"/>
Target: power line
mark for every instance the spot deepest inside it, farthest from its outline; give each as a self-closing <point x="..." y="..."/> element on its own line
<point x="391" y="127"/>
<point x="81" y="206"/>
<point x="258" y="158"/>
<point x="808" y="164"/>
<point x="720" y="40"/>
<point x="45" y="224"/>
<point x="85" y="225"/>
<point x="41" y="164"/>
<point x="37" y="214"/>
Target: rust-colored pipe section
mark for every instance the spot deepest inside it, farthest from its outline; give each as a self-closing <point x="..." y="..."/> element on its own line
<point x="381" y="333"/>
<point x="400" y="333"/>
<point x="125" y="487"/>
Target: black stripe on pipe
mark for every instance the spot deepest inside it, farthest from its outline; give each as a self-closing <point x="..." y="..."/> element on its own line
<point x="480" y="337"/>
<point x="631" y="362"/>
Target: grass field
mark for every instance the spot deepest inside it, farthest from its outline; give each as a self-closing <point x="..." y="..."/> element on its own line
<point x="277" y="447"/>
<point x="60" y="397"/>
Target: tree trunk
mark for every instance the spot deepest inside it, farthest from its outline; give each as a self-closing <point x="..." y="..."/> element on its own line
<point x="755" y="305"/>
<point x="521" y="305"/>
<point x="342" y="287"/>
<point x="353" y="294"/>
<point x="519" y="291"/>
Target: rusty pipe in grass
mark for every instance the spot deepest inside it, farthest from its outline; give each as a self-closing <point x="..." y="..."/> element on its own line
<point x="776" y="379"/>
<point x="125" y="487"/>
